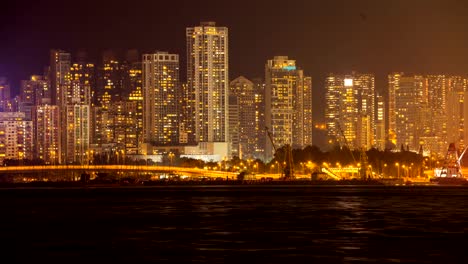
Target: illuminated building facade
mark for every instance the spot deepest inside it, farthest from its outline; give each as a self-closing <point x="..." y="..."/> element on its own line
<point x="437" y="106"/>
<point x="393" y="86"/>
<point x="456" y="113"/>
<point x="307" y="125"/>
<point x="409" y="111"/>
<point x="47" y="133"/>
<point x="260" y="134"/>
<point x="60" y="85"/>
<point x="119" y="126"/>
<point x="186" y="124"/>
<point x="380" y="131"/>
<point x="135" y="99"/>
<point x="235" y="148"/>
<point x="350" y="109"/>
<point x="428" y="111"/>
<point x="284" y="103"/>
<point x="16" y="136"/>
<point x="423" y="108"/>
<point x="35" y="91"/>
<point x="160" y="98"/>
<point x="207" y="81"/>
<point x="59" y="76"/>
<point x="4" y="94"/>
<point x="110" y="80"/>
<point x="83" y="81"/>
<point x="77" y="133"/>
<point x="243" y="90"/>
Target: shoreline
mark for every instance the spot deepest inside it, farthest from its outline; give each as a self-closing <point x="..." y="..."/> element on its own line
<point x="214" y="183"/>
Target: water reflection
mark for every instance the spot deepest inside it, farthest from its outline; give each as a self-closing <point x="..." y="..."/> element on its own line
<point x="265" y="225"/>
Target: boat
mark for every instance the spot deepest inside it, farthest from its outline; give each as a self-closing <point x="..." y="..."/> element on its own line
<point x="450" y="173"/>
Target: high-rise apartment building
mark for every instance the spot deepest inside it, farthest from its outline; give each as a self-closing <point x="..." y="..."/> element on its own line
<point x="5" y="95"/>
<point x="110" y="80"/>
<point x="380" y="131"/>
<point x="437" y="106"/>
<point x="186" y="124"/>
<point x="235" y="148"/>
<point x="35" y="91"/>
<point x="426" y="111"/>
<point x="83" y="82"/>
<point x="393" y="86"/>
<point x="161" y="90"/>
<point x="285" y="101"/>
<point x="207" y="81"/>
<point x="60" y="84"/>
<point x="307" y="117"/>
<point x="77" y="133"/>
<point x="456" y="129"/>
<point x="243" y="90"/>
<point x="350" y="110"/>
<point x="408" y="110"/>
<point x="59" y="76"/>
<point x="135" y="87"/>
<point x="260" y="133"/>
<point x="16" y="136"/>
<point x="46" y="125"/>
<point x="422" y="108"/>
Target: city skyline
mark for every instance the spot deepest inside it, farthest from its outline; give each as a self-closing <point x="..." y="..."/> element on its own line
<point x="216" y="131"/>
<point x="337" y="36"/>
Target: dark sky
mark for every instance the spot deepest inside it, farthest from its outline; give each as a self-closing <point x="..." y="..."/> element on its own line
<point x="323" y="36"/>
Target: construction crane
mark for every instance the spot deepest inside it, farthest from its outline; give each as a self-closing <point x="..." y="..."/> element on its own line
<point x="287" y="167"/>
<point x="362" y="159"/>
<point x="346" y="142"/>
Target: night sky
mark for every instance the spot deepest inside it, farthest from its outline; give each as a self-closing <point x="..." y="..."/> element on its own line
<point x="323" y="36"/>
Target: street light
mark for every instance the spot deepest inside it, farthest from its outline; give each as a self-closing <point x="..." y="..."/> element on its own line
<point x="92" y="157"/>
<point x="171" y="157"/>
<point x="398" y="167"/>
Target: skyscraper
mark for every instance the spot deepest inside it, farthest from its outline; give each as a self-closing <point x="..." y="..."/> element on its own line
<point x="437" y="104"/>
<point x="234" y="127"/>
<point x="83" y="81"/>
<point x="307" y="124"/>
<point x="77" y="133"/>
<point x="16" y="136"/>
<point x="243" y="90"/>
<point x="60" y="84"/>
<point x="4" y="94"/>
<point x="46" y="133"/>
<point x="285" y="101"/>
<point x="110" y="80"/>
<point x="161" y="90"/>
<point x="380" y="132"/>
<point x="207" y="80"/>
<point x="133" y="83"/>
<point x="60" y="63"/>
<point x="350" y="110"/>
<point x="35" y="91"/>
<point x="456" y="87"/>
<point x="260" y="133"/>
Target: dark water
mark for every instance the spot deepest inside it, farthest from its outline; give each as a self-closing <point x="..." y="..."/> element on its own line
<point x="235" y="225"/>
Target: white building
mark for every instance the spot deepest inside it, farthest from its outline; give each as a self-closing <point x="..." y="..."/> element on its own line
<point x="16" y="136"/>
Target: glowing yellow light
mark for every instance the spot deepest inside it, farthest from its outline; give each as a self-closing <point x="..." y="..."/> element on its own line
<point x="348" y="82"/>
